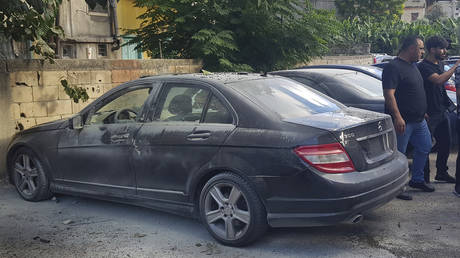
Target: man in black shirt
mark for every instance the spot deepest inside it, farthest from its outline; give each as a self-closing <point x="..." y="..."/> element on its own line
<point x="405" y="101"/>
<point x="434" y="77"/>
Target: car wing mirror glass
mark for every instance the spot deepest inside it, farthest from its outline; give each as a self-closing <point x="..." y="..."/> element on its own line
<point x="76" y="122"/>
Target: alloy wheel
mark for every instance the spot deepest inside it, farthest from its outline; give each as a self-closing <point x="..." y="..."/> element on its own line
<point x="226" y="211"/>
<point x="26" y="172"/>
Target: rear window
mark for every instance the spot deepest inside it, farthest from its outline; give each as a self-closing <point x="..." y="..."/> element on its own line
<point x="287" y="98"/>
<point x="362" y="82"/>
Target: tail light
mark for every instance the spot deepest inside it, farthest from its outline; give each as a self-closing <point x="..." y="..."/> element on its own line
<point x="450" y="87"/>
<point x="327" y="158"/>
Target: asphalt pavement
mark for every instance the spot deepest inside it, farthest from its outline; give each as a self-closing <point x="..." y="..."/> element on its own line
<point x="66" y="226"/>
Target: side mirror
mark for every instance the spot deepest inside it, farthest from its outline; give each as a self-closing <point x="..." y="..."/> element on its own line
<point x="76" y="122"/>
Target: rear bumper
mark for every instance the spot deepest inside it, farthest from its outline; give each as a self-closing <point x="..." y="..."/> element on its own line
<point x="329" y="211"/>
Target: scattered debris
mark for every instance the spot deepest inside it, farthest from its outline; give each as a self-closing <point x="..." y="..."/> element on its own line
<point x="211" y="249"/>
<point x="439" y="228"/>
<point x="399" y="224"/>
<point x="139" y="235"/>
<point x="67" y="222"/>
<point x="46" y="241"/>
<point x="55" y="199"/>
<point x="198" y="244"/>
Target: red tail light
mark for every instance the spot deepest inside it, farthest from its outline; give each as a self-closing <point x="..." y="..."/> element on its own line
<point x="450" y="87"/>
<point x="327" y="158"/>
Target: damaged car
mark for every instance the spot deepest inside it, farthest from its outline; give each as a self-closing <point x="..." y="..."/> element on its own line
<point x="241" y="152"/>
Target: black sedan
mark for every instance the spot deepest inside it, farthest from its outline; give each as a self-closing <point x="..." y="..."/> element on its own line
<point x="352" y="87"/>
<point x="239" y="151"/>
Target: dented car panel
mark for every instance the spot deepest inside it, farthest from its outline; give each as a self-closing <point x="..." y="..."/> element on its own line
<point x="156" y="141"/>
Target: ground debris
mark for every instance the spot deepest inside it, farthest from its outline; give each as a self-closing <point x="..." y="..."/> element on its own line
<point x="43" y="240"/>
<point x="211" y="249"/>
<point x="139" y="235"/>
<point x="67" y="222"/>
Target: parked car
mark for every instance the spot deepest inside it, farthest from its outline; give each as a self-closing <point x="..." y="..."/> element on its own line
<point x="353" y="89"/>
<point x="238" y="151"/>
<point x="351" y="85"/>
<point x="370" y="70"/>
<point x="381" y="58"/>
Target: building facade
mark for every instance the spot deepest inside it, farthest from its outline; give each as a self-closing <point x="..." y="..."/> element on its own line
<point x="90" y="32"/>
<point x="447" y="8"/>
<point x="414" y="10"/>
<point x="323" y="4"/>
<point x="97" y="30"/>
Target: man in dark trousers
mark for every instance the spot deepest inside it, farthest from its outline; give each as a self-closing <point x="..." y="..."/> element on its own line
<point x="434" y="77"/>
<point x="457" y="172"/>
<point x="405" y="101"/>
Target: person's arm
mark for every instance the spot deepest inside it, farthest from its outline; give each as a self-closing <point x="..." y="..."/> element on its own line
<point x="458" y="97"/>
<point x="440" y="79"/>
<point x="392" y="106"/>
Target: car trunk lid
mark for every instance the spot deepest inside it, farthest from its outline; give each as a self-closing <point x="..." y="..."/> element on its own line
<point x="368" y="137"/>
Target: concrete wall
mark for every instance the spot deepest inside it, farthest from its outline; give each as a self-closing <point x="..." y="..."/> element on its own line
<point x="31" y="93"/>
<point x="356" y="60"/>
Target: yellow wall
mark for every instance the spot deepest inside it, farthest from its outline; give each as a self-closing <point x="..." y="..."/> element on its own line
<point x="127" y="15"/>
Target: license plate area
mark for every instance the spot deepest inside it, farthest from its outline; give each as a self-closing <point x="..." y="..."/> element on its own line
<point x="377" y="147"/>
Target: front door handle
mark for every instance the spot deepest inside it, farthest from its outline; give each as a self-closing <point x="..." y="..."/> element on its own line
<point x="117" y="138"/>
<point x="199" y="135"/>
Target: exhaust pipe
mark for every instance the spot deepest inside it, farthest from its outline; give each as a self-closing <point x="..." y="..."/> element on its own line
<point x="355" y="219"/>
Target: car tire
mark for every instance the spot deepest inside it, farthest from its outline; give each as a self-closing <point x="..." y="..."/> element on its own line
<point x="29" y="176"/>
<point x="231" y="210"/>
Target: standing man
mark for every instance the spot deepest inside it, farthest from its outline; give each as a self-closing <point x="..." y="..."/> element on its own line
<point x="434" y="77"/>
<point x="457" y="171"/>
<point x="405" y="101"/>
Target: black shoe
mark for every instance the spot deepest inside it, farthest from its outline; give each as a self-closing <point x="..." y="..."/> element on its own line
<point x="422" y="186"/>
<point x="445" y="177"/>
<point x="457" y="193"/>
<point x="404" y="196"/>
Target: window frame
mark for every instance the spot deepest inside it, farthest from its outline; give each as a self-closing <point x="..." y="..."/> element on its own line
<point x="140" y="118"/>
<point x="160" y="98"/>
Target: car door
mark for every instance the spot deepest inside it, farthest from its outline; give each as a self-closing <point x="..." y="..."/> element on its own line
<point x="191" y="122"/>
<point x="96" y="159"/>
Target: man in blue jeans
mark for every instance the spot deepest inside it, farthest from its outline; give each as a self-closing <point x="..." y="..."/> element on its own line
<point x="405" y="101"/>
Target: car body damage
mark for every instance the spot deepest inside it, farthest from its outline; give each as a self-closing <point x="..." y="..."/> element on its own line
<point x="243" y="149"/>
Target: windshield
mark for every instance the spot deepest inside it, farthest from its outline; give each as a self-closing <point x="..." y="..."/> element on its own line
<point x="287" y="98"/>
<point x="362" y="82"/>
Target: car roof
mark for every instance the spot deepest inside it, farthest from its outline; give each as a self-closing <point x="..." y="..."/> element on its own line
<point x="366" y="69"/>
<point x="215" y="77"/>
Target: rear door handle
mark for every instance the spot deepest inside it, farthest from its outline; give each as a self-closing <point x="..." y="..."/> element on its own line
<point x="199" y="135"/>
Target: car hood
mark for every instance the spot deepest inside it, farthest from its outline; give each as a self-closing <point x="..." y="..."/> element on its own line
<point x="339" y="120"/>
<point x="53" y="125"/>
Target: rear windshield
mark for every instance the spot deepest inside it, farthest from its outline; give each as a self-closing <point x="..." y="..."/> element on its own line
<point x="362" y="82"/>
<point x="287" y="98"/>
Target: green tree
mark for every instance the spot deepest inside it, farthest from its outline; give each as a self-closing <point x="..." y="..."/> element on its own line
<point x="371" y="9"/>
<point x="31" y="20"/>
<point x="258" y="35"/>
<point x="35" y="21"/>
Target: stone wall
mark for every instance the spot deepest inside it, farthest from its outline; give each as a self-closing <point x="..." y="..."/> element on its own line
<point x="31" y="92"/>
<point x="351" y="60"/>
